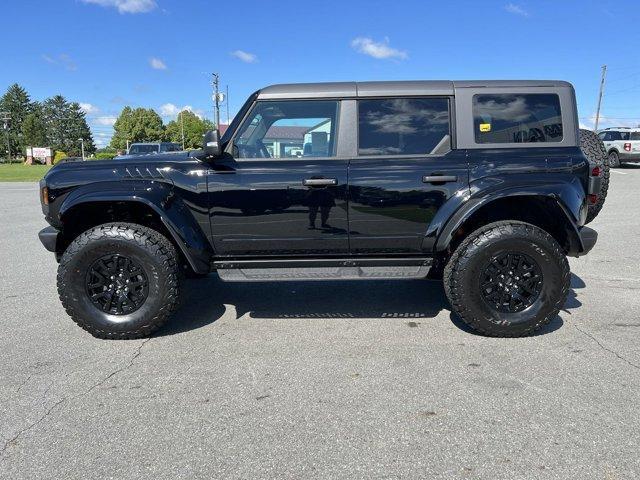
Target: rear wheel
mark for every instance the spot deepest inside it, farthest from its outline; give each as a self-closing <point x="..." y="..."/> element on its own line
<point x="614" y="159"/>
<point x="507" y="279"/>
<point x="119" y="280"/>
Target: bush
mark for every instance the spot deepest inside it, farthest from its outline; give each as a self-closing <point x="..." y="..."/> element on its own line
<point x="105" y="155"/>
<point x="59" y="156"/>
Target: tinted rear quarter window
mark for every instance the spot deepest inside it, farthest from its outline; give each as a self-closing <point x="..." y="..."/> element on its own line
<point x="403" y="126"/>
<point x="517" y="118"/>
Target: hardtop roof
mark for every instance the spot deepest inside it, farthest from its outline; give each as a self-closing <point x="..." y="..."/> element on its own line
<point x="393" y="88"/>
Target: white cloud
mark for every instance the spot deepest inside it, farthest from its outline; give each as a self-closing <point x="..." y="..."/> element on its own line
<point x="88" y="108"/>
<point x="107" y="120"/>
<point x="606" y="121"/>
<point x="126" y="6"/>
<point x="172" y="110"/>
<point x="246" y="57"/>
<point x="367" y="46"/>
<point x="62" y="59"/>
<point x="516" y="10"/>
<point x="157" y="64"/>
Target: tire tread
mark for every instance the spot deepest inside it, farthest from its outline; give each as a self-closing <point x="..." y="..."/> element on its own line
<point x="152" y="241"/>
<point x="458" y="262"/>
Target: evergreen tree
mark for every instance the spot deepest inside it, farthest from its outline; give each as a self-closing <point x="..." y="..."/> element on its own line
<point x="17" y="103"/>
<point x="66" y="125"/>
<point x="55" y="111"/>
<point x="34" y="129"/>
<point x="79" y="129"/>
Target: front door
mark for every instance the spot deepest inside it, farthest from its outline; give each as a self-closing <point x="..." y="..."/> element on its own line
<point x="283" y="191"/>
<point x="404" y="172"/>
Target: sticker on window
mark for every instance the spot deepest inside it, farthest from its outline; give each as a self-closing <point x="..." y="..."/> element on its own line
<point x="485" y="127"/>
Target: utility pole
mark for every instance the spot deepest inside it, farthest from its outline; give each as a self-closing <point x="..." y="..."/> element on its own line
<point x="6" y="118"/>
<point x="227" y="100"/>
<point x="215" y="80"/>
<point x="82" y="147"/>
<point x="182" y="128"/>
<point x="604" y="75"/>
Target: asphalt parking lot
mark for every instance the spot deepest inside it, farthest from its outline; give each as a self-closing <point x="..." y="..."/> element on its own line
<point x="322" y="380"/>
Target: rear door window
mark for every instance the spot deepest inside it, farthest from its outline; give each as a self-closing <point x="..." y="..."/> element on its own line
<point x="403" y="126"/>
<point x="517" y="118"/>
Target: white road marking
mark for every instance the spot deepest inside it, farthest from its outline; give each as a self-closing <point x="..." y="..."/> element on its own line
<point x="618" y="171"/>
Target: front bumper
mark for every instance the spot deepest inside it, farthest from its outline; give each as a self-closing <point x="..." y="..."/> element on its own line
<point x="49" y="238"/>
<point x="588" y="238"/>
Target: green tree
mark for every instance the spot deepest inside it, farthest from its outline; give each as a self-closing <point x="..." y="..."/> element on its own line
<point x="34" y="129"/>
<point x="77" y="128"/>
<point x="55" y="111"/>
<point x="17" y="103"/>
<point x="65" y="125"/>
<point x="194" y="128"/>
<point x="137" y="125"/>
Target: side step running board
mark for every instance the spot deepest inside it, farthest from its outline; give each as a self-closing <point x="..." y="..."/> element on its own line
<point x="323" y="262"/>
<point x="322" y="273"/>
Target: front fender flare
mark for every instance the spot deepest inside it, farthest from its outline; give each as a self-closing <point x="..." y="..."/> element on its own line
<point x="161" y="199"/>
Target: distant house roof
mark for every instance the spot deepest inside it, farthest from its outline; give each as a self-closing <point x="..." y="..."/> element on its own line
<point x="281" y="132"/>
<point x="286" y="133"/>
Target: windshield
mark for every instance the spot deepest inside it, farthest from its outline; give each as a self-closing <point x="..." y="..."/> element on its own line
<point x="170" y="147"/>
<point x="142" y="149"/>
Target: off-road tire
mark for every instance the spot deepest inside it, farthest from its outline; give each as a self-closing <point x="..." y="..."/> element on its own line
<point x="152" y="251"/>
<point x="463" y="271"/>
<point x="614" y="159"/>
<point x="594" y="150"/>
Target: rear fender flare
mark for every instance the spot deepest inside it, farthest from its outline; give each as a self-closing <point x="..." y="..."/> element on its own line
<point x="570" y="201"/>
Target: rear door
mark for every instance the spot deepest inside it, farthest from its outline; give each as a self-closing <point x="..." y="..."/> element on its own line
<point x="404" y="171"/>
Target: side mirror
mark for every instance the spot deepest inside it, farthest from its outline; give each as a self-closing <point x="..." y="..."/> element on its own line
<point x="211" y="143"/>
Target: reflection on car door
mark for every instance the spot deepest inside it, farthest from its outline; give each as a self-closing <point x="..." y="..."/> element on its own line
<point x="404" y="173"/>
<point x="282" y="192"/>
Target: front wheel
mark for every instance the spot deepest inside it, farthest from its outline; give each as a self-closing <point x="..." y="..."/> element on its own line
<point x="119" y="280"/>
<point x="507" y="279"/>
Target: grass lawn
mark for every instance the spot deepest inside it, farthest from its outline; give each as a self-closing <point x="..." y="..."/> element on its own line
<point x="17" y="172"/>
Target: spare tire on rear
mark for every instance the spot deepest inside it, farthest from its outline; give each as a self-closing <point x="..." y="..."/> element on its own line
<point x="594" y="150"/>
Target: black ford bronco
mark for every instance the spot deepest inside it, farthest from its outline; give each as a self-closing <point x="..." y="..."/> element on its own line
<point x="480" y="183"/>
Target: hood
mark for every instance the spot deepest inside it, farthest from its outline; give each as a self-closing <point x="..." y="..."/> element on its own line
<point x="69" y="174"/>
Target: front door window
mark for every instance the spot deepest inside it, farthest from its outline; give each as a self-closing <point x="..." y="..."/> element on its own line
<point x="288" y="129"/>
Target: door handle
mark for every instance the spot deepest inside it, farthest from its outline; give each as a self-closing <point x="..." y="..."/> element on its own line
<point x="319" y="182"/>
<point x="439" y="178"/>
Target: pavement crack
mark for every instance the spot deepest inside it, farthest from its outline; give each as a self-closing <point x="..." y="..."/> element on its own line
<point x="14" y="439"/>
<point x="606" y="349"/>
<point x="49" y="410"/>
<point x="136" y="354"/>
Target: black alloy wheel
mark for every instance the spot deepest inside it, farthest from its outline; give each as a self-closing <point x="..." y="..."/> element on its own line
<point x="511" y="282"/>
<point x="117" y="285"/>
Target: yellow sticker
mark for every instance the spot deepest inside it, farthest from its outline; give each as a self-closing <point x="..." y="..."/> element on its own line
<point x="485" y="127"/>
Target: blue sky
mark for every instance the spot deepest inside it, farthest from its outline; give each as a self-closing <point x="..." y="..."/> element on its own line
<point x="160" y="53"/>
